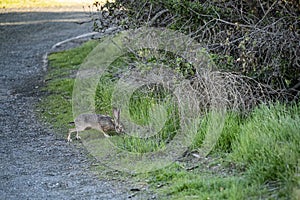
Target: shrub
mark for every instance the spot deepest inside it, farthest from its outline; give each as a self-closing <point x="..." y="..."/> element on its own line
<point x="260" y="38"/>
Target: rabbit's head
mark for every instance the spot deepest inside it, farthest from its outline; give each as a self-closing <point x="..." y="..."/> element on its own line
<point x="118" y="126"/>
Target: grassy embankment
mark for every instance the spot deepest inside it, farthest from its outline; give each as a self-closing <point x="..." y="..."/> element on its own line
<point x="256" y="157"/>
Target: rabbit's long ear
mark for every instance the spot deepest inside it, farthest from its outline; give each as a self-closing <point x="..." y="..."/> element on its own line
<point x="116" y="113"/>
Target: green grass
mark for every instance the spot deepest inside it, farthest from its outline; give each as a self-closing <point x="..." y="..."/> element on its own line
<point x="229" y="135"/>
<point x="141" y="103"/>
<point x="269" y="146"/>
<point x="175" y="182"/>
<point x="262" y="149"/>
<point x="256" y="157"/>
<point x="56" y="106"/>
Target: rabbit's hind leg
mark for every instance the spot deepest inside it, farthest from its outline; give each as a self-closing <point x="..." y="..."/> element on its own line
<point x="99" y="128"/>
<point x="105" y="134"/>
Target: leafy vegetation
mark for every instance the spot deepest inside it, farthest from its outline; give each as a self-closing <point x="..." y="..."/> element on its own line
<point x="254" y="38"/>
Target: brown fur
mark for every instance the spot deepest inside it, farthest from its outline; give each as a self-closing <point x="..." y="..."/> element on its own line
<point x="102" y="123"/>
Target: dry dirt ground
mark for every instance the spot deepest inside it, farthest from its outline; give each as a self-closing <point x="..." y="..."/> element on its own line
<point x="35" y="164"/>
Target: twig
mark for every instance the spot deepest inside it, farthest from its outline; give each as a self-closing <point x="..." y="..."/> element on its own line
<point x="157" y="16"/>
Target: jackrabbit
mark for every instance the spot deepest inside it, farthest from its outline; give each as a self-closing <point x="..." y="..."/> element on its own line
<point x="102" y="123"/>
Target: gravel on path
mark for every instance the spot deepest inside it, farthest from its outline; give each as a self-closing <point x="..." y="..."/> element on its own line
<point x="35" y="164"/>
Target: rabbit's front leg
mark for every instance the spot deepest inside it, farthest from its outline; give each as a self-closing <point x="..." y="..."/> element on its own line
<point x="77" y="136"/>
<point x="70" y="133"/>
<point x="72" y="130"/>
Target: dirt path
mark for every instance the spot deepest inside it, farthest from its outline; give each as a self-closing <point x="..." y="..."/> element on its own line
<point x="34" y="163"/>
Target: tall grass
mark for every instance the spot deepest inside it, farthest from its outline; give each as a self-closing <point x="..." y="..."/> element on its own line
<point x="262" y="149"/>
<point x="229" y="135"/>
<point x="269" y="145"/>
<point x="141" y="113"/>
<point x="264" y="145"/>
